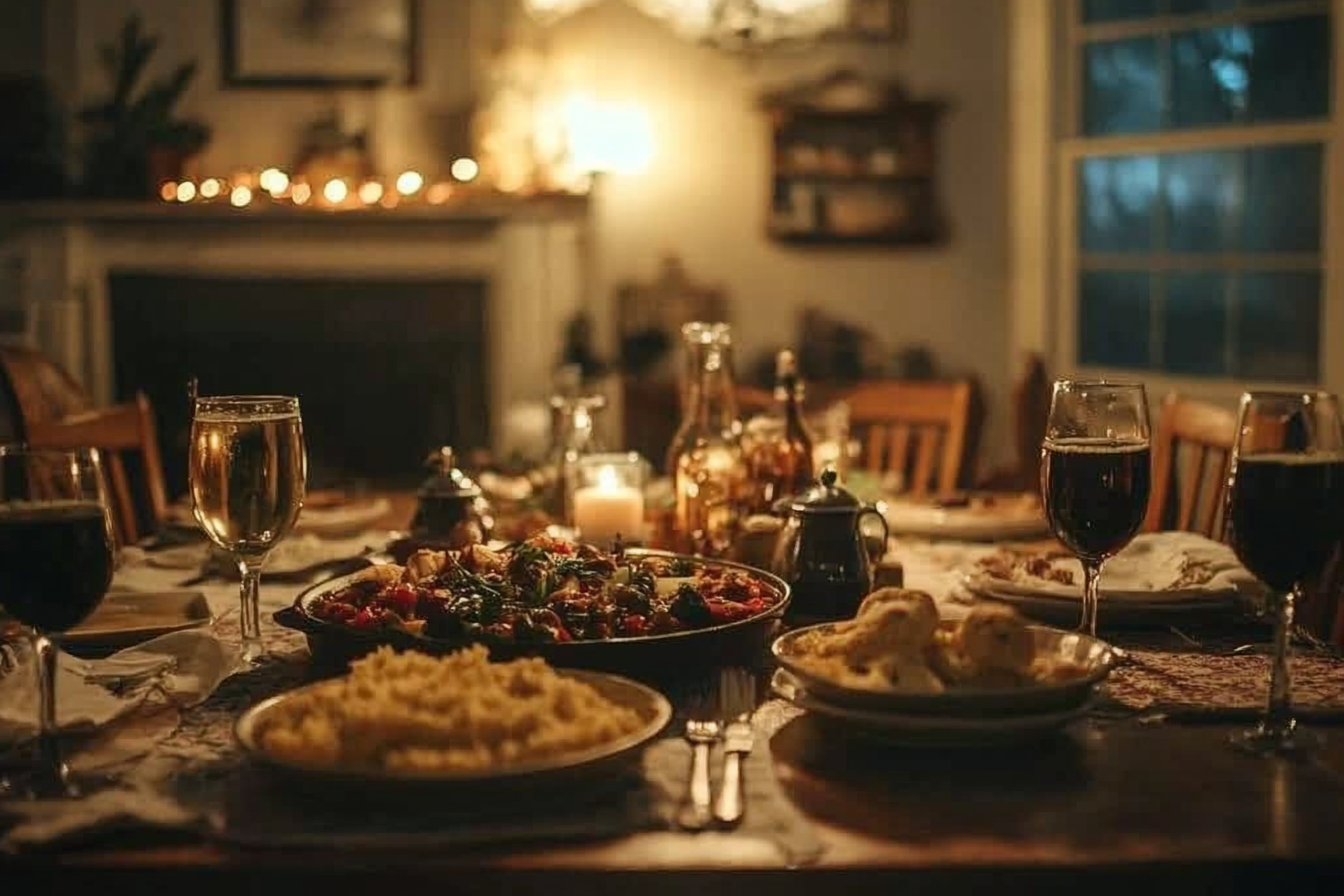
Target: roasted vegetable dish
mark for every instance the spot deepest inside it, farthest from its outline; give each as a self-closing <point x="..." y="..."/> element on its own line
<point x="544" y="590"/>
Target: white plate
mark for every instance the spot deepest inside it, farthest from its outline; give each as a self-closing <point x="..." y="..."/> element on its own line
<point x="965" y="703"/>
<point x="565" y="769"/>
<point x="1119" y="609"/>
<point x="900" y="729"/>
<point x="1012" y="522"/>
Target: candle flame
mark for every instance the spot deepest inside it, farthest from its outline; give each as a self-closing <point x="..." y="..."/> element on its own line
<point x="606" y="479"/>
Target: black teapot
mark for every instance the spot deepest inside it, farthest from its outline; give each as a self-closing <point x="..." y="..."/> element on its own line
<point x="822" y="554"/>
<point x="450" y="511"/>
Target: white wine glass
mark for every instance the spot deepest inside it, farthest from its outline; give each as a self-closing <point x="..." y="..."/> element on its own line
<point x="248" y="472"/>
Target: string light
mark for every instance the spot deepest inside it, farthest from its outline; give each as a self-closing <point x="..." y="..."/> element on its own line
<point x="273" y="186"/>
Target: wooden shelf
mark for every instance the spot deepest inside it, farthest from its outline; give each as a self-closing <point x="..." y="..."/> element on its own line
<point x="862" y="178"/>
<point x="869" y="240"/>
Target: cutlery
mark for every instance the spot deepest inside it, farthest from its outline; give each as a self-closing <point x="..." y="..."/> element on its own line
<point x="696" y="812"/>
<point x="738" y="690"/>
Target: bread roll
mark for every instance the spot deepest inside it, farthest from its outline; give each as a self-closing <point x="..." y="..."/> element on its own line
<point x="994" y="638"/>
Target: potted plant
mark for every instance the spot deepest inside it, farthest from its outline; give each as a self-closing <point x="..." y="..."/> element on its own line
<point x="135" y="141"/>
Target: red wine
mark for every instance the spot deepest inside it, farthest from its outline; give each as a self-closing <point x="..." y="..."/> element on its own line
<point x="1095" y="493"/>
<point x="1286" y="514"/>
<point x="55" y="562"/>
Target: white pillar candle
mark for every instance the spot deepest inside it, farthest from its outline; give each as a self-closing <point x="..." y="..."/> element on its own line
<point x="607" y="509"/>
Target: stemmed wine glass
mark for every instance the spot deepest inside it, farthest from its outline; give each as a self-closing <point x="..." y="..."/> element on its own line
<point x="1095" y="474"/>
<point x="1285" y="515"/>
<point x="56" y="557"/>
<point x="247" y="472"/>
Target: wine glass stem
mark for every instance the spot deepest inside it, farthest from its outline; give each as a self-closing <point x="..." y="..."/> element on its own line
<point x="250" y="618"/>
<point x="1279" y="710"/>
<point x="1091" y="596"/>
<point x="52" y="768"/>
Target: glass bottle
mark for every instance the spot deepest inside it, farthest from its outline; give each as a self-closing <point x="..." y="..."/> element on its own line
<point x="705" y="456"/>
<point x="573" y="434"/>
<point x="780" y="453"/>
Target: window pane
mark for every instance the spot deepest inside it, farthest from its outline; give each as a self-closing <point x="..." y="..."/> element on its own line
<point x="1122" y="88"/>
<point x="1203" y="195"/>
<point x="1194" y="324"/>
<point x="1182" y="7"/>
<point x="1283" y="199"/>
<point x="1114" y="318"/>
<point x="1278" y="326"/>
<point x="1269" y="71"/>
<point x="1113" y="10"/>
<point x="1115" y="203"/>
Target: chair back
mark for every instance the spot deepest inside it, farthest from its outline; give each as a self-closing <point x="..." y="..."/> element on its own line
<point x="124" y="429"/>
<point x="914" y="428"/>
<point x="1192" y="448"/>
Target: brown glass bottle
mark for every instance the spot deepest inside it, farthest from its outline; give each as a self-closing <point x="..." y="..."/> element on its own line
<point x="781" y="449"/>
<point x="705" y="457"/>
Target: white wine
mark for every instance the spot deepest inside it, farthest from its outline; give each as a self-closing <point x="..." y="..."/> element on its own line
<point x="247" y="477"/>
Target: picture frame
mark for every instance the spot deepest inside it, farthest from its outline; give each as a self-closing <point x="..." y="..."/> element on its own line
<point x="877" y="20"/>
<point x="317" y="44"/>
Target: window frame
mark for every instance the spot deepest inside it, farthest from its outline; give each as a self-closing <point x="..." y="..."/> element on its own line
<point x="1070" y="147"/>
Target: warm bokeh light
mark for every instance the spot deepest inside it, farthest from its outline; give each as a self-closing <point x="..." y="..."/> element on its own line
<point x="607" y="136"/>
<point x="465" y="169"/>
<point x="168" y="192"/>
<point x="335" y="191"/>
<point x="274" y="181"/>
<point x="210" y="187"/>
<point x="438" y="194"/>
<point x="186" y="191"/>
<point x="409" y="182"/>
<point x="301" y="194"/>
<point x="240" y="196"/>
<point x="370" y="192"/>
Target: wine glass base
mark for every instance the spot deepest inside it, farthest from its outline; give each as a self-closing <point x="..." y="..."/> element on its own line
<point x="39" y="784"/>
<point x="1279" y="740"/>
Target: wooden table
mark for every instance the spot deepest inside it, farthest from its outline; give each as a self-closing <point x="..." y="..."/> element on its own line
<point x="1112" y="805"/>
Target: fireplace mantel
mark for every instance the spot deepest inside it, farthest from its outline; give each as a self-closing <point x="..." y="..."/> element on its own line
<point x="534" y="253"/>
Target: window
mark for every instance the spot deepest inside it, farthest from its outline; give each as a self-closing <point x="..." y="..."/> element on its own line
<point x="1195" y="153"/>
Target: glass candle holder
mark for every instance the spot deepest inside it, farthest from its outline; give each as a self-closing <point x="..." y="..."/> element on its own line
<point x="607" y="498"/>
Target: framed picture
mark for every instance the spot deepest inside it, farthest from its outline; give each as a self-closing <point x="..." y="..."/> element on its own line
<point x="885" y="20"/>
<point x="319" y="43"/>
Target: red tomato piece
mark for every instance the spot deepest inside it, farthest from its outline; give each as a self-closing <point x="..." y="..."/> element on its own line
<point x="634" y="625"/>
<point x="365" y="619"/>
<point x="402" y="599"/>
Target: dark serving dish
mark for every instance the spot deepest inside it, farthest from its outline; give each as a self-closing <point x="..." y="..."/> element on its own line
<point x="648" y="657"/>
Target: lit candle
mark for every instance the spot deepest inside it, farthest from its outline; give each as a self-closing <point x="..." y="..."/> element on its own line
<point x="608" y="509"/>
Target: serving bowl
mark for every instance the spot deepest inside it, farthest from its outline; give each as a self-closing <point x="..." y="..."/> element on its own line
<point x="1095" y="658"/>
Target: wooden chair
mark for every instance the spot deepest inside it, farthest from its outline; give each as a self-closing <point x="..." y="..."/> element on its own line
<point x="117" y="431"/>
<point x="1192" y="446"/>
<point x="918" y="429"/>
<point x="35" y="388"/>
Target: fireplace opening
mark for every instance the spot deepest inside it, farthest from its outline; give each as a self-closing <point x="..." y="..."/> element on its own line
<point x="385" y="369"/>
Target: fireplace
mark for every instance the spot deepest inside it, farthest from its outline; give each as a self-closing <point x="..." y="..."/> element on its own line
<point x="385" y="368"/>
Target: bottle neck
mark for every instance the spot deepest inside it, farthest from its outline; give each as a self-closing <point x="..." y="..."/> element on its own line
<point x="712" y="400"/>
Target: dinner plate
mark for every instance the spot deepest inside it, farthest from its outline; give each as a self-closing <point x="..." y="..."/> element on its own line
<point x="562" y="771"/>
<point x="1119" y="610"/>
<point x="917" y="730"/>
<point x="125" y="618"/>
<point x="1056" y="697"/>
<point x="1016" y="519"/>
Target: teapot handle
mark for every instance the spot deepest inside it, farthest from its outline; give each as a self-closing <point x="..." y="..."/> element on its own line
<point x="886" y="532"/>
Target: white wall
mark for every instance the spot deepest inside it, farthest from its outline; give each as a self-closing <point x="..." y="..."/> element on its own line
<point x="704" y="195"/>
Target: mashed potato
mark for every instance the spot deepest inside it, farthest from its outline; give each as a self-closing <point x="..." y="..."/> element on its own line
<point x="415" y="713"/>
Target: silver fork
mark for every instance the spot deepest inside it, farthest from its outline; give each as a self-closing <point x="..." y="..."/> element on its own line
<point x="738" y="690"/>
<point x="696" y="813"/>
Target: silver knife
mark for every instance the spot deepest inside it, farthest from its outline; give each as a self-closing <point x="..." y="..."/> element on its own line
<point x="737" y="741"/>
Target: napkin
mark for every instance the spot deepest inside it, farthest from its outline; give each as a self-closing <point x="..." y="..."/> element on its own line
<point x="182" y="668"/>
<point x="1155" y="566"/>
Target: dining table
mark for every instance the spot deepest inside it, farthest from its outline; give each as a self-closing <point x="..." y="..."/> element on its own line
<point x="1136" y="794"/>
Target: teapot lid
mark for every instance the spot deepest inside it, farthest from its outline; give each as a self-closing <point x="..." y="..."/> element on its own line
<point x="826" y="497"/>
<point x="445" y="479"/>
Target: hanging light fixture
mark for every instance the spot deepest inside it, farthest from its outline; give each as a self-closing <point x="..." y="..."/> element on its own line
<point x="728" y="24"/>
